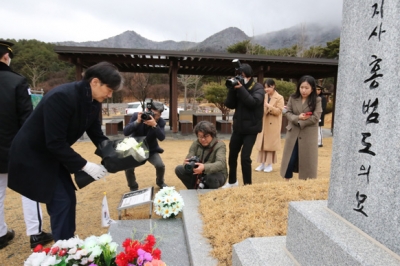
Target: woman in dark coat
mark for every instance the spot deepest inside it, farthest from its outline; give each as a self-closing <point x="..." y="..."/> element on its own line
<point x="41" y="157"/>
<point x="321" y="120"/>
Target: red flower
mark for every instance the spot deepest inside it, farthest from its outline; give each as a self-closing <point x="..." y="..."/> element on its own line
<point x="156" y="254"/>
<point x="130" y="253"/>
<point x="47" y="250"/>
<point x="121" y="259"/>
<point x="54" y="250"/>
<point x="62" y="253"/>
<point x="38" y="248"/>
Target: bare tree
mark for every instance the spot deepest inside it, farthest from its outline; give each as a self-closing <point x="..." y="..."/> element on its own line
<point x="189" y="81"/>
<point x="137" y="84"/>
<point x="301" y="45"/>
<point x="35" y="73"/>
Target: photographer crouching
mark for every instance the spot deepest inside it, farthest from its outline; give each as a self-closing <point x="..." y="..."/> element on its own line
<point x="205" y="165"/>
<point x="151" y="125"/>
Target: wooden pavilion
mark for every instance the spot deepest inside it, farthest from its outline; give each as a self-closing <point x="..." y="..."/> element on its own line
<point x="195" y="63"/>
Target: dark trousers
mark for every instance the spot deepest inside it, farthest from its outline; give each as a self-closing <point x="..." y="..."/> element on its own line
<point x="245" y="143"/>
<point x="211" y="181"/>
<point x="293" y="162"/>
<point x="154" y="159"/>
<point x="62" y="208"/>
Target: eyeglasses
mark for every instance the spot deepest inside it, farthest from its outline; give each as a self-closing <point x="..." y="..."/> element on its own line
<point x="203" y="137"/>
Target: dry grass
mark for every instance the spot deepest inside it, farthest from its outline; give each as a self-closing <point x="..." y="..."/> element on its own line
<point x="257" y="210"/>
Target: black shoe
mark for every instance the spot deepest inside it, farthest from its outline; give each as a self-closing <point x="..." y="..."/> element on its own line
<point x="162" y="185"/>
<point x="134" y="188"/>
<point x="320" y="146"/>
<point x="43" y="238"/>
<point x="6" y="238"/>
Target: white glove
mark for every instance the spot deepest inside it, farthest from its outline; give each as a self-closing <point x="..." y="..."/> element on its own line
<point x="95" y="170"/>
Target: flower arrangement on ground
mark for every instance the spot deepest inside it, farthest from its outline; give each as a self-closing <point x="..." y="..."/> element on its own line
<point x="143" y="253"/>
<point x="93" y="251"/>
<point x="131" y="147"/>
<point x="168" y="202"/>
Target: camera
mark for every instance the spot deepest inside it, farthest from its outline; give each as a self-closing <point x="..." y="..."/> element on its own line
<point x="232" y="82"/>
<point x="146" y="115"/>
<point x="202" y="182"/>
<point x="192" y="164"/>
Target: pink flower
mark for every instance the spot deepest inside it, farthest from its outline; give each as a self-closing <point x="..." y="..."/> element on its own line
<point x="155" y="263"/>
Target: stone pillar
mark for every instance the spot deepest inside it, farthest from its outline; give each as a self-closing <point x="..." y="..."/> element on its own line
<point x="365" y="175"/>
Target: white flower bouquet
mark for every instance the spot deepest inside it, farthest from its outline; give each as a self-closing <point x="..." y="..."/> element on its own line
<point x="117" y="155"/>
<point x="129" y="146"/>
<point x="100" y="251"/>
<point x="168" y="202"/>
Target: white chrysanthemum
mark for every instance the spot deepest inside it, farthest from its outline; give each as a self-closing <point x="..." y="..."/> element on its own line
<point x="90" y="242"/>
<point x="113" y="246"/>
<point x="95" y="251"/>
<point x="105" y="239"/>
<point x="73" y="250"/>
<point x="166" y="212"/>
<point x="50" y="260"/>
<point x="35" y="259"/>
<point x="167" y="201"/>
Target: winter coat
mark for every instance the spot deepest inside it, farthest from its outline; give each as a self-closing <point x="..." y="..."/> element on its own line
<point x="248" y="102"/>
<point x="323" y="105"/>
<point x="15" y="107"/>
<point x="269" y="139"/>
<point x="41" y="152"/>
<point x="306" y="132"/>
<point x="216" y="162"/>
<point x="152" y="134"/>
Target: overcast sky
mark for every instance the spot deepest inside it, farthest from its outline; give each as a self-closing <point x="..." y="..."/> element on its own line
<point x="157" y="20"/>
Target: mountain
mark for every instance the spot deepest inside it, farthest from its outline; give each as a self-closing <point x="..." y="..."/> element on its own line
<point x="308" y="35"/>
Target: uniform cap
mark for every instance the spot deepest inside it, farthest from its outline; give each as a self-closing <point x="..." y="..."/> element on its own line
<point x="5" y="47"/>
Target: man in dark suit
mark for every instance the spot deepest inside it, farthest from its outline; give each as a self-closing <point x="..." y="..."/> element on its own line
<point x="152" y="128"/>
<point x="15" y="107"/>
<point x="41" y="157"/>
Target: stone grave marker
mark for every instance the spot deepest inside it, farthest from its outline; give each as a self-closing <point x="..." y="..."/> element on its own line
<point x="365" y="170"/>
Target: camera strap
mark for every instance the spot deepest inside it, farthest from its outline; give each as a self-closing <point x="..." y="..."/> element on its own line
<point x="208" y="155"/>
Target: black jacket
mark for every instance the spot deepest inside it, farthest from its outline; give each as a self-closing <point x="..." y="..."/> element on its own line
<point x="152" y="134"/>
<point x="323" y="104"/>
<point x="15" y="107"/>
<point x="41" y="152"/>
<point x="248" y="102"/>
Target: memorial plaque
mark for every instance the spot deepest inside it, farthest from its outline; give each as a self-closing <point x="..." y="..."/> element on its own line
<point x="136" y="198"/>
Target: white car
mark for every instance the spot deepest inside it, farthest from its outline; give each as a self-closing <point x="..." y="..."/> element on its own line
<point x="135" y="107"/>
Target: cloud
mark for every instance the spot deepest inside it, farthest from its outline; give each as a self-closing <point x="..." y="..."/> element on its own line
<point x="178" y="20"/>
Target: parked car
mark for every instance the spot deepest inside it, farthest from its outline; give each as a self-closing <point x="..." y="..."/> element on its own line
<point x="135" y="107"/>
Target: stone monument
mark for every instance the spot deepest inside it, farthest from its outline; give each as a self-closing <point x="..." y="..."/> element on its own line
<point x="360" y="222"/>
<point x="364" y="187"/>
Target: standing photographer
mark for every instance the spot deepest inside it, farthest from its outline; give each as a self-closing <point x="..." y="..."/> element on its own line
<point x="248" y="101"/>
<point x="151" y="125"/>
<point x="205" y="165"/>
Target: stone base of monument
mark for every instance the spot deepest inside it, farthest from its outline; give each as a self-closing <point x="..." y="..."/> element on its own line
<point x="261" y="251"/>
<point x="182" y="242"/>
<point x="316" y="236"/>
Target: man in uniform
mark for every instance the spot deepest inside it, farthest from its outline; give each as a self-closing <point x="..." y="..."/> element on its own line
<point x="15" y="107"/>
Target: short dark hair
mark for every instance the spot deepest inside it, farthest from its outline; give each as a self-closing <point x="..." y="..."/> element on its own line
<point x="107" y="73"/>
<point x="269" y="82"/>
<point x="157" y="106"/>
<point x="205" y="127"/>
<point x="247" y="70"/>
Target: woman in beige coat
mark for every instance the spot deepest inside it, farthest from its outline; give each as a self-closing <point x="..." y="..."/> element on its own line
<point x="301" y="150"/>
<point x="269" y="139"/>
